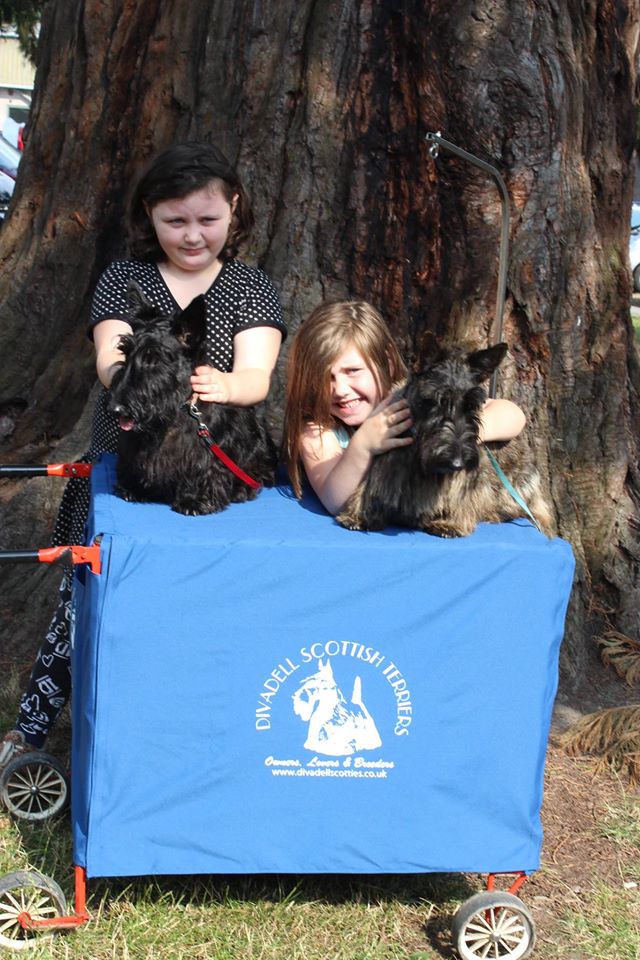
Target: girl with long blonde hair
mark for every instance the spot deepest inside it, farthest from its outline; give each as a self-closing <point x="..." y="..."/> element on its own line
<point x="341" y="411"/>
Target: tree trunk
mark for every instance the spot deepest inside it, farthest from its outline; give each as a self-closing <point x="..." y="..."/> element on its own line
<point x="325" y="108"/>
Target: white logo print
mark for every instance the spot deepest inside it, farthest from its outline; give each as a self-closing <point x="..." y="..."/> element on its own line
<point x="335" y="728"/>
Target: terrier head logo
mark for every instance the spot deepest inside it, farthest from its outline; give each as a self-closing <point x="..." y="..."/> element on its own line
<point x="336" y="728"/>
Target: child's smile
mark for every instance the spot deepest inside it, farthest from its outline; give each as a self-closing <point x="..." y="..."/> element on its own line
<point x="354" y="392"/>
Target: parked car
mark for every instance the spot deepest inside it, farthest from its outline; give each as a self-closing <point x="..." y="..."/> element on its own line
<point x="9" y="156"/>
<point x="9" y="160"/>
<point x="7" y="182"/>
<point x="634" y="246"/>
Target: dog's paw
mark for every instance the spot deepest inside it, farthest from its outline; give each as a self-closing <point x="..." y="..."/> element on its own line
<point x="440" y="528"/>
<point x="125" y="494"/>
<point x="349" y="522"/>
<point x="196" y="508"/>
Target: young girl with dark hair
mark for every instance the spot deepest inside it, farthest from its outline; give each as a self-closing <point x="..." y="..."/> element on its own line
<point x="187" y="216"/>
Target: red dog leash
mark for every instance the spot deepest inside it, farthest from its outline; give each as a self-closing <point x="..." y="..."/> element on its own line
<point x="205" y="436"/>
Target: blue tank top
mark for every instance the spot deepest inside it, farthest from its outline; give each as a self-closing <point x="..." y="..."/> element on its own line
<point x="342" y="436"/>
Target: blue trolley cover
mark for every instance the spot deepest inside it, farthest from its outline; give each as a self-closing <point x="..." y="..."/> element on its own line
<point x="263" y="691"/>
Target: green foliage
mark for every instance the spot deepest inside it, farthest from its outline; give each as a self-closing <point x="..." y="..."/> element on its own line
<point x="25" y="16"/>
<point x="621" y="825"/>
<point x="608" y="927"/>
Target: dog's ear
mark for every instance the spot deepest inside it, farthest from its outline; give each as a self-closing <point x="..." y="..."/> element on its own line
<point x="429" y="351"/>
<point x="141" y="310"/>
<point x="135" y="296"/>
<point x="190" y="325"/>
<point x="484" y="362"/>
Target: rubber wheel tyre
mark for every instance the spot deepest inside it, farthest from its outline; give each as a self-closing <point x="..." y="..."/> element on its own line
<point x="636" y="279"/>
<point x="494" y="925"/>
<point x="32" y="893"/>
<point x="34" y="787"/>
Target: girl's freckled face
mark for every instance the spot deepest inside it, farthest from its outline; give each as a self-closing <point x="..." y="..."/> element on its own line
<point x="354" y="392"/>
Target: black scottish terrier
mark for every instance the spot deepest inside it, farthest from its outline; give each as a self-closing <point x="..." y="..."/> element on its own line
<point x="444" y="482"/>
<point x="164" y="453"/>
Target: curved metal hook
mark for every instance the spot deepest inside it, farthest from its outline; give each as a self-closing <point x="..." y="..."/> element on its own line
<point x="434" y="149"/>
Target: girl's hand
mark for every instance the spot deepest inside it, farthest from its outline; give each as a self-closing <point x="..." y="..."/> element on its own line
<point x="211" y="385"/>
<point x="382" y="429"/>
<point x="333" y="472"/>
<point x="254" y="355"/>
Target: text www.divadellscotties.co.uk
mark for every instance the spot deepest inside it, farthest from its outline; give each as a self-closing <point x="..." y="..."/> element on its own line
<point x="348" y="767"/>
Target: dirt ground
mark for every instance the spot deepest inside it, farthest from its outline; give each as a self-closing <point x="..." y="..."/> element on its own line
<point x="576" y="856"/>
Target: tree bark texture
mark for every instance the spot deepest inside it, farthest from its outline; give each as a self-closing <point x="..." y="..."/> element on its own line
<point x="325" y="107"/>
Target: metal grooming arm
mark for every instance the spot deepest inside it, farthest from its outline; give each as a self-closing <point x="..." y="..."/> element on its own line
<point x="436" y="142"/>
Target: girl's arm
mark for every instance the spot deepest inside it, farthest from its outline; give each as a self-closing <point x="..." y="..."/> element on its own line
<point x="255" y="352"/>
<point x="335" y="473"/>
<point x="106" y="338"/>
<point x="501" y="420"/>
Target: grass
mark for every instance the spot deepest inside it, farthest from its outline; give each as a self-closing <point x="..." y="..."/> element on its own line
<point x="236" y="918"/>
<point x="608" y="925"/>
<point x="621" y="825"/>
<point x="622" y="822"/>
<point x="302" y="918"/>
<point x="608" y="928"/>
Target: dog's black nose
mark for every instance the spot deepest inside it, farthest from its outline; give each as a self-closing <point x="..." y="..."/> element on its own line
<point x="456" y="463"/>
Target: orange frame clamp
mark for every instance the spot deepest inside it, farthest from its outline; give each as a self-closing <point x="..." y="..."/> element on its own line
<point x="76" y="554"/>
<point x="79" y="554"/>
<point x="68" y="470"/>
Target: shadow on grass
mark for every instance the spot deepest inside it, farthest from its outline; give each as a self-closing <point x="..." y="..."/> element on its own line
<point x="48" y="849"/>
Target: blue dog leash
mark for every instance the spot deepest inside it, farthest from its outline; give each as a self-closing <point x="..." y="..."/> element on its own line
<point x="509" y="487"/>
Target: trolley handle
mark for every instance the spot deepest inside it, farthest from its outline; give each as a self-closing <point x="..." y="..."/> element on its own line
<point x="47" y="470"/>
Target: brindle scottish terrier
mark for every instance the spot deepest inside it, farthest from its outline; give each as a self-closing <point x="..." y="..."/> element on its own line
<point x="444" y="482"/>
<point x="161" y="455"/>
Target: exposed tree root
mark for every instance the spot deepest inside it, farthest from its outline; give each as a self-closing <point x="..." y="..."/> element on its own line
<point x="612" y="735"/>
<point x="622" y="653"/>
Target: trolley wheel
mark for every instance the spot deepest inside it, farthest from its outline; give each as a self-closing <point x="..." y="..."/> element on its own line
<point x="34" y="787"/>
<point x="493" y="925"/>
<point x="29" y="893"/>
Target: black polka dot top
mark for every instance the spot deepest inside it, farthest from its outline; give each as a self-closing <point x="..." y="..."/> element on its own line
<point x="241" y="297"/>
